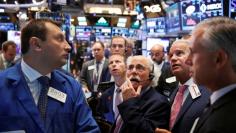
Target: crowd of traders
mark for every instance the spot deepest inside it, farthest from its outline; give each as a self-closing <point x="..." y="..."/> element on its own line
<point x="191" y="91"/>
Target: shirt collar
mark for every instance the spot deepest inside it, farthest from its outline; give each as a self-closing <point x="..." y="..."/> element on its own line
<point x="160" y="65"/>
<point x="219" y="93"/>
<point x="188" y="83"/>
<point x="101" y="62"/>
<point x="30" y="73"/>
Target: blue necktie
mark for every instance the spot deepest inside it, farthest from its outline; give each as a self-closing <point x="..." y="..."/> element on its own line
<point x="42" y="102"/>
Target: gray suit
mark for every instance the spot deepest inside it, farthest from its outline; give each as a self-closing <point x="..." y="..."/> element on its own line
<point x="2" y="67"/>
<point x="86" y="75"/>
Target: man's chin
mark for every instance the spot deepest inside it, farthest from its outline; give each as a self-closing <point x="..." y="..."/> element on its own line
<point x="135" y="84"/>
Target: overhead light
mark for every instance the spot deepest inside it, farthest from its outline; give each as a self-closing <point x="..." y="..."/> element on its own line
<point x="41" y="3"/>
<point x="109" y="10"/>
<point x="103" y="9"/>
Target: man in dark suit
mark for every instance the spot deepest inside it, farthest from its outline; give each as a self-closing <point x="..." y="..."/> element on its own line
<point x="37" y="98"/>
<point x="142" y="108"/>
<point x="189" y="100"/>
<point x="106" y="108"/>
<point x="213" y="62"/>
<point x="8" y="54"/>
<point x="95" y="71"/>
<point x="164" y="86"/>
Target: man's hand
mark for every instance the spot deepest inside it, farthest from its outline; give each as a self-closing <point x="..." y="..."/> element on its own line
<point x="128" y="91"/>
<point x="159" y="130"/>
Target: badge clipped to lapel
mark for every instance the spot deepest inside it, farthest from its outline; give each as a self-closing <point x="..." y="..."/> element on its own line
<point x="91" y="67"/>
<point x="171" y="79"/>
<point x="56" y="94"/>
<point x="194" y="91"/>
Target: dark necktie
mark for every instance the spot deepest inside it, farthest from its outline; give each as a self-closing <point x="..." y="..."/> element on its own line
<point x="119" y="120"/>
<point x="42" y="102"/>
<point x="177" y="104"/>
<point x="97" y="66"/>
<point x="96" y="74"/>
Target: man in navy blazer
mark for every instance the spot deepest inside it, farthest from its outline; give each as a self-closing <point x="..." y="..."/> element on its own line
<point x="117" y="68"/>
<point x="195" y="97"/>
<point x="142" y="108"/>
<point x="44" y="49"/>
<point x="213" y="60"/>
<point x="89" y="69"/>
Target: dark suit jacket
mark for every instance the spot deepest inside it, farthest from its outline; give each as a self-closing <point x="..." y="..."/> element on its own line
<point x="86" y="76"/>
<point x="220" y="117"/>
<point x="163" y="87"/>
<point x="144" y="113"/>
<point x="18" y="110"/>
<point x="191" y="109"/>
<point x="105" y="105"/>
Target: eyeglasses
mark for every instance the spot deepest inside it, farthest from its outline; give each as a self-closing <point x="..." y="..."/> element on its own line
<point x="156" y="54"/>
<point x="138" y="67"/>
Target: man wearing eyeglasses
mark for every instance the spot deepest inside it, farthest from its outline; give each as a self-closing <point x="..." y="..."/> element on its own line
<point x="166" y="83"/>
<point x="142" y="108"/>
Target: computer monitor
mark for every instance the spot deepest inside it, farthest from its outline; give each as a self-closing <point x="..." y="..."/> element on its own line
<point x="173" y="18"/>
<point x="232" y="9"/>
<point x="190" y="14"/>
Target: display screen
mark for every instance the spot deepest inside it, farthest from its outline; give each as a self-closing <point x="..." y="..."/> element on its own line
<point x="156" y="26"/>
<point x="173" y="18"/>
<point x="102" y="32"/>
<point x="117" y="31"/>
<point x="7" y="26"/>
<point x="211" y="8"/>
<point x="232" y="9"/>
<point x="194" y="11"/>
<point x="132" y="32"/>
<point x="83" y="32"/>
<point x="190" y="14"/>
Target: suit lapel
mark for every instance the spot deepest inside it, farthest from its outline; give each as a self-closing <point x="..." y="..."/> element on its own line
<point x="220" y="102"/>
<point x="103" y="77"/>
<point x="187" y="104"/>
<point x="24" y="95"/>
<point x="111" y="101"/>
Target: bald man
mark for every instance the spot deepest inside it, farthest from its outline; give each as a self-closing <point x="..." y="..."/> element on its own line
<point x="164" y="86"/>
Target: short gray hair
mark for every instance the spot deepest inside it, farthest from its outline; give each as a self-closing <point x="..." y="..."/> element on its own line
<point x="219" y="33"/>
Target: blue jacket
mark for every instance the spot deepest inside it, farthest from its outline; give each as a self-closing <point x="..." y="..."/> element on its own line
<point x="18" y="110"/>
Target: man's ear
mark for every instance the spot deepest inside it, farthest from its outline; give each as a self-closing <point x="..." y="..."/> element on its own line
<point x="222" y="58"/>
<point x="35" y="43"/>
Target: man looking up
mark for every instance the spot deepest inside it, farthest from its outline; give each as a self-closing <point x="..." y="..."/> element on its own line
<point x="188" y="100"/>
<point x="142" y="108"/>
